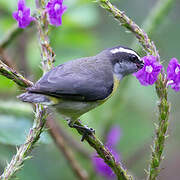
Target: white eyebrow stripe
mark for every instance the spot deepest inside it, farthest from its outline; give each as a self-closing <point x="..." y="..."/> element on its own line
<point x="113" y="51"/>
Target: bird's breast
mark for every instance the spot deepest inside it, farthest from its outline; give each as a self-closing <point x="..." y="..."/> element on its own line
<point x="115" y="86"/>
<point x="74" y="109"/>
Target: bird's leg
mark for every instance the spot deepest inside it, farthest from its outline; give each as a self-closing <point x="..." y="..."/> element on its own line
<point x="84" y="129"/>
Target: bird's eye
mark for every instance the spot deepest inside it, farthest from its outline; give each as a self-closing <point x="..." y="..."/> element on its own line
<point x="133" y="58"/>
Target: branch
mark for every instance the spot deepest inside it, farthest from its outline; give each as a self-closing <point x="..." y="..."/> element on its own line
<point x="105" y="154"/>
<point x="13" y="75"/>
<point x="155" y="18"/>
<point x="125" y="21"/>
<point x="47" y="54"/>
<point x="161" y="88"/>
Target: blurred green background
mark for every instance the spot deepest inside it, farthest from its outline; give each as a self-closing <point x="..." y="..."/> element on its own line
<point x="86" y="30"/>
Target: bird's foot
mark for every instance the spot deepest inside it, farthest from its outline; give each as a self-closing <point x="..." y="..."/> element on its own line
<point x="85" y="130"/>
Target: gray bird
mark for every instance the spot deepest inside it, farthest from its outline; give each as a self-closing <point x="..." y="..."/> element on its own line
<point x="80" y="85"/>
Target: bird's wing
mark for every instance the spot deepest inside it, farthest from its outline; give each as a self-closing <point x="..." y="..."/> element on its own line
<point x="81" y="80"/>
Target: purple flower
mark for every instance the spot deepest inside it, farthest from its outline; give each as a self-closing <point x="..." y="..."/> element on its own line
<point x="22" y="15"/>
<point x="149" y="73"/>
<point x="173" y="74"/>
<point x="55" y="10"/>
<point x="100" y="166"/>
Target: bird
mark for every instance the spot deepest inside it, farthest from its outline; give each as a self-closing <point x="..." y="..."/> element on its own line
<point x="80" y="85"/>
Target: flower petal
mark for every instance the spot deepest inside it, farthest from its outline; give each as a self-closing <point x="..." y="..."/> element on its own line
<point x="55" y="10"/>
<point x="22" y="16"/>
<point x="149" y="73"/>
<point x="173" y="74"/>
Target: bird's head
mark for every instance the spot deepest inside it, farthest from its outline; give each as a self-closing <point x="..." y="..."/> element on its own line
<point x="124" y="60"/>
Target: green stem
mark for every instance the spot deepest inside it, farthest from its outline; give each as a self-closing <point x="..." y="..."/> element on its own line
<point x="47" y="54"/>
<point x="161" y="88"/>
<point x="150" y="25"/>
<point x="125" y="21"/>
<point x="105" y="154"/>
<point x="154" y="19"/>
<point x="161" y="130"/>
<point x="13" y="75"/>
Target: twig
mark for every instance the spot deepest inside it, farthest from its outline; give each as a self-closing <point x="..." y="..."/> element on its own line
<point x="34" y="133"/>
<point x="105" y="154"/>
<point x="130" y="25"/>
<point x="60" y="142"/>
<point x="161" y="129"/>
<point x="155" y="18"/>
<point x="13" y="75"/>
<point x="47" y="54"/>
<point x="161" y="88"/>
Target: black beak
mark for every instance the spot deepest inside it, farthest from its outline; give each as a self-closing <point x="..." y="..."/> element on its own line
<point x="140" y="64"/>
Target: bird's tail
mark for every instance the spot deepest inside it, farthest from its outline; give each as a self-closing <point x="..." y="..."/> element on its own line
<point x="34" y="98"/>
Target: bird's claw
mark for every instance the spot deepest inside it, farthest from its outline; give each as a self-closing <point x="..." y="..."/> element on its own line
<point x="85" y="130"/>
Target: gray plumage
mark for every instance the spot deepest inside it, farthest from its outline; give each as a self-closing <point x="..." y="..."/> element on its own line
<point x="34" y="98"/>
<point x="85" y="79"/>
